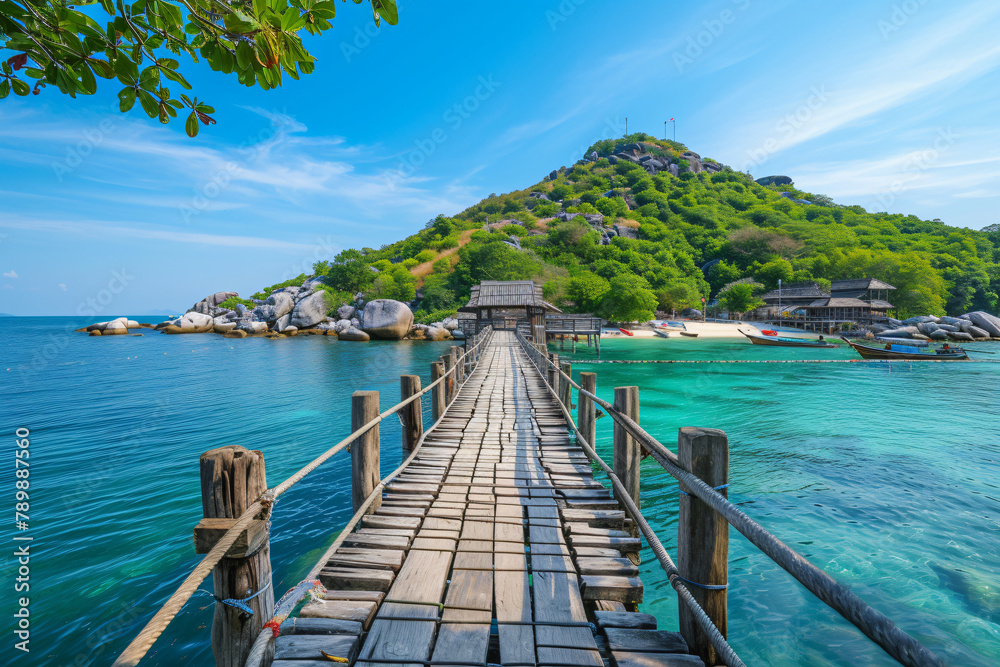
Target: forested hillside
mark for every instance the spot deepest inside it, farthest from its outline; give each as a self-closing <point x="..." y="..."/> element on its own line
<point x="647" y="235"/>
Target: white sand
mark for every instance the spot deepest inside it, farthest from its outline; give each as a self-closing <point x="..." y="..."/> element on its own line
<point x="703" y="329"/>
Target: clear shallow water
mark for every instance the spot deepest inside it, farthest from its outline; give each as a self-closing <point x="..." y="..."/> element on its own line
<point x="117" y="426"/>
<point x="887" y="477"/>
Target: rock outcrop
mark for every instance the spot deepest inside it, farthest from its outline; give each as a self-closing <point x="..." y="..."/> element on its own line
<point x="310" y="310"/>
<point x="387" y="319"/>
<point x="210" y="304"/>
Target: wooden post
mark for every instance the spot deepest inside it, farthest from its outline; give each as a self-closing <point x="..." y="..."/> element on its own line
<point x="438" y="392"/>
<point x="703" y="535"/>
<point x="232" y="479"/>
<point x="553" y="372"/>
<point x="411" y="415"/>
<point x="449" y="364"/>
<point x="627" y="454"/>
<point x="456" y="351"/>
<point x="585" y="416"/>
<point x="365" y="471"/>
<point x="565" y="388"/>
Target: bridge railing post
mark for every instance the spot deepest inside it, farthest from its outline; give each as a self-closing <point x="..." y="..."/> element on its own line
<point x="585" y="413"/>
<point x="438" y="392"/>
<point x="365" y="472"/>
<point x="456" y="351"/>
<point x="449" y="365"/>
<point x="412" y="415"/>
<point x="553" y="372"/>
<point x="565" y="388"/>
<point x="703" y="535"/>
<point x="626" y="449"/>
<point x="232" y="479"/>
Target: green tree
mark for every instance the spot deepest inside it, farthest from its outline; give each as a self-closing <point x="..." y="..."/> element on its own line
<point x="739" y="299"/>
<point x="56" y="44"/>
<point x="773" y="271"/>
<point x="349" y="272"/>
<point x="587" y="290"/>
<point x="629" y="299"/>
<point x="678" y="295"/>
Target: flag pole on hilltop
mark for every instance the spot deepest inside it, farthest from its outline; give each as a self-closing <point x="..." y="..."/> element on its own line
<point x="674" y="125"/>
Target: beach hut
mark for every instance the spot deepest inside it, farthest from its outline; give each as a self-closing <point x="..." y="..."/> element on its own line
<point x="510" y="305"/>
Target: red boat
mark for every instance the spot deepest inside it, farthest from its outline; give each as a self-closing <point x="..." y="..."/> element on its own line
<point x="626" y="332"/>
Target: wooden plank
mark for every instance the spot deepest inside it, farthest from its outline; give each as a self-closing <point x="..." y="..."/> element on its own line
<point x="379" y="521"/>
<point x="645" y="641"/>
<point x="376" y="559"/>
<point x="376" y="541"/>
<point x="629" y="659"/>
<point x="513" y="603"/>
<point x="344" y="610"/>
<point x="361" y="596"/>
<point x="347" y="578"/>
<point x="320" y="626"/>
<point x="557" y="598"/>
<point x="308" y="647"/>
<point x="622" y="567"/>
<point x="617" y="619"/>
<point x="469" y="590"/>
<point x="622" y="589"/>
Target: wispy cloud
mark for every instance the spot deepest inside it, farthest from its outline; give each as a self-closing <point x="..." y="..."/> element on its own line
<point x="10" y="274"/>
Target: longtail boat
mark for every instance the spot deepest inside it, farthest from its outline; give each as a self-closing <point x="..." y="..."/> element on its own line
<point x="911" y="350"/>
<point x="781" y="341"/>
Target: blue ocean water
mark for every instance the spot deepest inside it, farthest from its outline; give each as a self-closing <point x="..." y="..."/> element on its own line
<point x="887" y="477"/>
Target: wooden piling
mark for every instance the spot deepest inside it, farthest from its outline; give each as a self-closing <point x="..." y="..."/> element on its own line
<point x="438" y="392"/>
<point x="232" y="479"/>
<point x="412" y="415"/>
<point x="565" y="388"/>
<point x="703" y="535"/>
<point x="449" y="365"/>
<point x="585" y="413"/>
<point x="553" y="372"/>
<point x="456" y="352"/>
<point x="365" y="472"/>
<point x="627" y="450"/>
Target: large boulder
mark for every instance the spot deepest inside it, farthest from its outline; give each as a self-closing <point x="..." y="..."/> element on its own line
<point x="959" y="335"/>
<point x="354" y="335"/>
<point x="920" y="319"/>
<point x="115" y="327"/>
<point x="691" y="313"/>
<point x="437" y="333"/>
<point x="346" y="312"/>
<point x="986" y="322"/>
<point x="209" y="305"/>
<point x="387" y="319"/>
<point x="310" y="310"/>
<point x="775" y="180"/>
<point x="939" y="334"/>
<point x="282" y="322"/>
<point x="949" y="320"/>
<point x="976" y="332"/>
<point x="190" y="322"/>
<point x="282" y="302"/>
<point x="450" y="323"/>
<point x="902" y="332"/>
<point x="926" y="328"/>
<point x="222" y="325"/>
<point x="253" y="327"/>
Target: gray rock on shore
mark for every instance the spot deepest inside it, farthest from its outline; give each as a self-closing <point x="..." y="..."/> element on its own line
<point x="310" y="311"/>
<point x="353" y="334"/>
<point x="387" y="319"/>
<point x="210" y="304"/>
<point x="986" y="322"/>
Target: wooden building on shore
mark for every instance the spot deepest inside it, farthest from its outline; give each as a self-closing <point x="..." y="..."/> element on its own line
<point x="850" y="303"/>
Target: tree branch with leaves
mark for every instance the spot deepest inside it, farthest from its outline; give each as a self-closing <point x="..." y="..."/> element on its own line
<point x="59" y="45"/>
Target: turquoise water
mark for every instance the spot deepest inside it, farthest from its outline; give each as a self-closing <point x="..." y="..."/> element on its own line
<point x="887" y="477"/>
<point x="117" y="425"/>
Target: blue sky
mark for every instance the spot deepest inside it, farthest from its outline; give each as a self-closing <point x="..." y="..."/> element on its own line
<point x="890" y="105"/>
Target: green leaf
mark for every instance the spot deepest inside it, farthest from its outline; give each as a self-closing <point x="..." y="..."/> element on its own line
<point x="150" y="78"/>
<point x="126" y="98"/>
<point x="126" y="70"/>
<point x="20" y="87"/>
<point x="4" y="88"/>
<point x="191" y="125"/>
<point x="149" y="104"/>
<point x="259" y="7"/>
<point x="387" y="10"/>
<point x="204" y="108"/>
<point x="244" y="55"/>
<point x="176" y="76"/>
<point x="34" y="73"/>
<point x="109" y="7"/>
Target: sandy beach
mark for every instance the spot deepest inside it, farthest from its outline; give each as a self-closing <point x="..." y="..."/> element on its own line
<point x="703" y="329"/>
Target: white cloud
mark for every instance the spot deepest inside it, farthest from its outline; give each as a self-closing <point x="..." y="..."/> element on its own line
<point x="62" y="286"/>
<point x="10" y="274"/>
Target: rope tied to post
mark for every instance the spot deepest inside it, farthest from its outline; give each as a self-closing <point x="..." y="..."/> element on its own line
<point x="240" y="603"/>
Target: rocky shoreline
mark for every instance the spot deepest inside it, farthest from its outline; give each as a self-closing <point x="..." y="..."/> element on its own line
<point x="977" y="325"/>
<point x="293" y="311"/>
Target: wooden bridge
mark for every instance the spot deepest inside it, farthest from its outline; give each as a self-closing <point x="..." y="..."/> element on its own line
<point x="492" y="543"/>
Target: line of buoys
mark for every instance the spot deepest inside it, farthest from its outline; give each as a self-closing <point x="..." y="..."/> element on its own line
<point x="788" y="361"/>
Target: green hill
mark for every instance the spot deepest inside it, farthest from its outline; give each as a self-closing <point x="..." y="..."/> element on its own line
<point x="622" y="235"/>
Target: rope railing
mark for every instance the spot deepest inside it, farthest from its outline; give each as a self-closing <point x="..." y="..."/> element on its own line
<point x="875" y="625"/>
<point x="719" y="643"/>
<point x="139" y="646"/>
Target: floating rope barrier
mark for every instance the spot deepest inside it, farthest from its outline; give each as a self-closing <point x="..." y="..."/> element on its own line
<point x="787" y="361"/>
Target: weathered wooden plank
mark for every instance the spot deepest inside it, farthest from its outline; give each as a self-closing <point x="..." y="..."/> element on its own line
<point x="513" y="603"/>
<point x="622" y="567"/>
<point x="617" y="619"/>
<point x="379" y="559"/>
<point x="345" y="610"/>
<point x="629" y="659"/>
<point x="376" y="541"/>
<point x="346" y="578"/>
<point x="308" y="647"/>
<point x="399" y="522"/>
<point x="320" y="626"/>
<point x="557" y="599"/>
<point x="365" y="596"/>
<point x="645" y="641"/>
<point x="622" y="589"/>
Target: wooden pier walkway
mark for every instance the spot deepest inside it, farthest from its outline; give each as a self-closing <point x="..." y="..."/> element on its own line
<point x="496" y="523"/>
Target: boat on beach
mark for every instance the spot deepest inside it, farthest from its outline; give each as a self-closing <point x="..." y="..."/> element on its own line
<point x="626" y="332"/>
<point x="689" y="334"/>
<point x="662" y="333"/>
<point x="782" y="341"/>
<point x="910" y="349"/>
